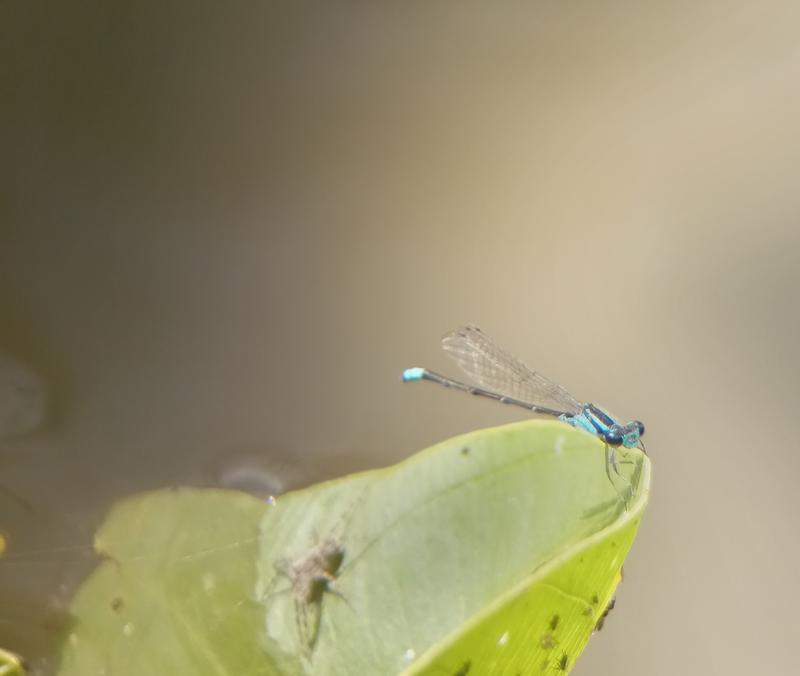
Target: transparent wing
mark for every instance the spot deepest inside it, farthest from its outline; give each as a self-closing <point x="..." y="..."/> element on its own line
<point x="490" y="366"/>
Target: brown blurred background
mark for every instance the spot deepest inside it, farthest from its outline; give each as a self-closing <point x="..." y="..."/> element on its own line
<point x="225" y="229"/>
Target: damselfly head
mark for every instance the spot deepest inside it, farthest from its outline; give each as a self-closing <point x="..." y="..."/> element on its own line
<point x="632" y="433"/>
<point x="627" y="435"/>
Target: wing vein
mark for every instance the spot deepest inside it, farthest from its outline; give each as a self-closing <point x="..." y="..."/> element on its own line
<point x="492" y="367"/>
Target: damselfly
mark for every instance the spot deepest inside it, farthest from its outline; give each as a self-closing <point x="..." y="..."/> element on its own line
<point x="503" y="377"/>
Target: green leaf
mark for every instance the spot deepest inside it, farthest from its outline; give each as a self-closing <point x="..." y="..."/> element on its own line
<point x="10" y="664"/>
<point x="495" y="550"/>
<point x="174" y="594"/>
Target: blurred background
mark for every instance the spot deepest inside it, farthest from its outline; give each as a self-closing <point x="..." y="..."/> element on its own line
<point x="225" y="229"/>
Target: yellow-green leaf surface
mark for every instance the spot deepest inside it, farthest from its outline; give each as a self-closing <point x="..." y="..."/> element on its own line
<point x="11" y="664"/>
<point x="174" y="594"/>
<point x="493" y="552"/>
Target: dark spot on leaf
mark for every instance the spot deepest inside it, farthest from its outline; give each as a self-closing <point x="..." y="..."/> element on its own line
<point x="465" y="450"/>
<point x="562" y="662"/>
<point x="554" y="622"/>
<point x="602" y="620"/>
<point x="464" y="670"/>
<point x="595" y="600"/>
<point x="117" y="604"/>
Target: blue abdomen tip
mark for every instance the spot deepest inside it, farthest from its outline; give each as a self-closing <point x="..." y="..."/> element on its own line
<point x="413" y="374"/>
